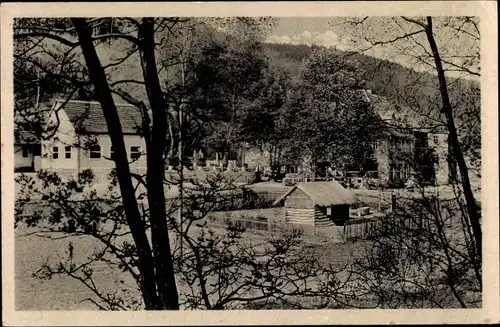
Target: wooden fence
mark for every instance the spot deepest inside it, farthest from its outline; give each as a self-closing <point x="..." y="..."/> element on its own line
<point x="362" y="228"/>
<point x="356" y="229"/>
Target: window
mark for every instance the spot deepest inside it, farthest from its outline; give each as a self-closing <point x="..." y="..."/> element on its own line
<point x="112" y="152"/>
<point x="25" y="152"/>
<point x="95" y="152"/>
<point x="55" y="152"/>
<point x="329" y="211"/>
<point x="436" y="139"/>
<point x="67" y="152"/>
<point x="406" y="168"/>
<point x="37" y="150"/>
<point x="135" y="152"/>
<point x="397" y="171"/>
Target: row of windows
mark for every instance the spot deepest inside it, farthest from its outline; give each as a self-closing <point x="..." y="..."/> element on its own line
<point x="67" y="152"/>
<point x="402" y="145"/>
<point x="400" y="171"/>
<point x="94" y="152"/>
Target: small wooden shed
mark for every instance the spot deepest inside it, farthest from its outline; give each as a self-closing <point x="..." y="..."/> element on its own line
<point x="317" y="203"/>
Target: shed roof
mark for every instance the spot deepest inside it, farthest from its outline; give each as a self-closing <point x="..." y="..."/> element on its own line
<point x="90" y="119"/>
<point x="322" y="193"/>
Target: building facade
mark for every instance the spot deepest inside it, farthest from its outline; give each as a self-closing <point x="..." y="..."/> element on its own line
<point x="407" y="149"/>
<point x="80" y="140"/>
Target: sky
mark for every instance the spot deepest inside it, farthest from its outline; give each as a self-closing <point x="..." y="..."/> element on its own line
<point x="308" y="30"/>
<point x="328" y="31"/>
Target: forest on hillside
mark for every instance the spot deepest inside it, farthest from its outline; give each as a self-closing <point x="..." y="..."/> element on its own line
<point x="418" y="92"/>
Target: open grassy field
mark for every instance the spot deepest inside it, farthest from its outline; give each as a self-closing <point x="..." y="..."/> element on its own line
<point x="61" y="292"/>
<point x="65" y="293"/>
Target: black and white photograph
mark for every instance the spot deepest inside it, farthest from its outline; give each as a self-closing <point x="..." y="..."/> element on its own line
<point x="250" y="162"/>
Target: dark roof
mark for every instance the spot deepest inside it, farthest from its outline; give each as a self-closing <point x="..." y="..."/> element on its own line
<point x="89" y="118"/>
<point x="323" y="193"/>
<point x="25" y="137"/>
<point x="398" y="116"/>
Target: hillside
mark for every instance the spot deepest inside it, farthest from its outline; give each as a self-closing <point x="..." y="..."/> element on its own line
<point x="416" y="90"/>
<point x="382" y="76"/>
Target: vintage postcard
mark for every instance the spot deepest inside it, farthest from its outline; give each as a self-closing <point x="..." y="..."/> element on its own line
<point x="282" y="163"/>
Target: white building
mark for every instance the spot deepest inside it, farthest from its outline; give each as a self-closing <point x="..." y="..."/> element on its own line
<point x="67" y="149"/>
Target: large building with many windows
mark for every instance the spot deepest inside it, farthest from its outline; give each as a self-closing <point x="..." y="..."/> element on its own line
<point x="409" y="147"/>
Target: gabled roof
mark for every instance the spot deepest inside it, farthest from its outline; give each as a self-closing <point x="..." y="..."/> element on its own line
<point x="322" y="193"/>
<point x="87" y="116"/>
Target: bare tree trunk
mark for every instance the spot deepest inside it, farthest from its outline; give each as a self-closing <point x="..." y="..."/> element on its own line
<point x="181" y="155"/>
<point x="165" y="278"/>
<point x="137" y="227"/>
<point x="457" y="153"/>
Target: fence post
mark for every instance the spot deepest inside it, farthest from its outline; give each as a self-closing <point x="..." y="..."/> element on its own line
<point x="380" y="201"/>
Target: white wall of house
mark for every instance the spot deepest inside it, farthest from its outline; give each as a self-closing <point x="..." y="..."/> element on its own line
<point x="54" y="149"/>
<point x="383" y="160"/>
<point x="71" y="158"/>
<point x="23" y="158"/>
<point x="104" y="162"/>
<point x="439" y="143"/>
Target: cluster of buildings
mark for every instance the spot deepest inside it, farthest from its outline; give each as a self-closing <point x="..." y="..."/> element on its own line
<point x="407" y="149"/>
